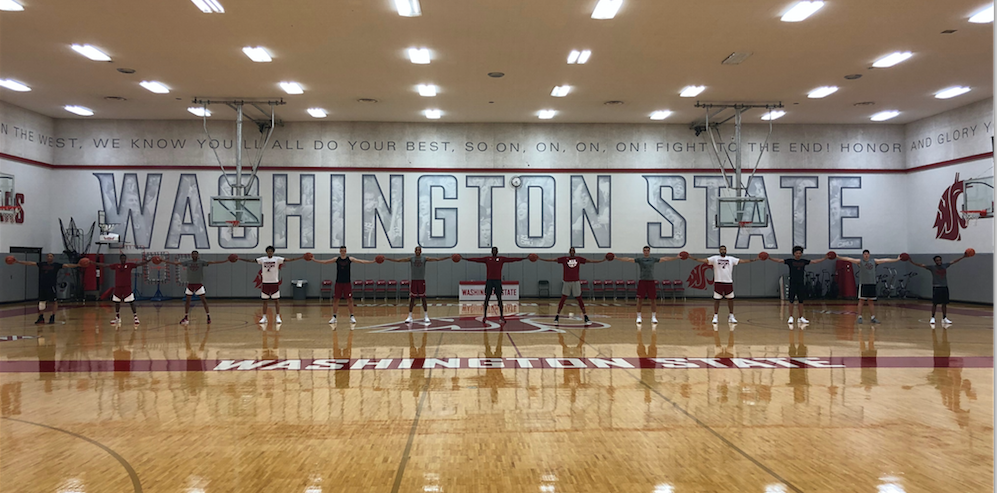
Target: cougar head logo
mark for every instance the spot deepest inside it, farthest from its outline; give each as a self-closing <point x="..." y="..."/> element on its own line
<point x="948" y="221"/>
<point x="697" y="278"/>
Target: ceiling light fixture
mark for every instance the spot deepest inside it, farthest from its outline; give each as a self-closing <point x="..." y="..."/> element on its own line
<point x="317" y="112"/>
<point x="546" y="114"/>
<point x="984" y="16"/>
<point x="91" y="53"/>
<point x="199" y="111"/>
<point x="882" y="116"/>
<point x="606" y="9"/>
<point x="419" y="55"/>
<point x="560" y="91"/>
<point x="773" y="115"/>
<point x="892" y="59"/>
<point x="209" y="6"/>
<point x="951" y="92"/>
<point x="14" y="85"/>
<point x="433" y="114"/>
<point x="258" y="54"/>
<point x="292" y="88"/>
<point x="691" y="91"/>
<point x="579" y="57"/>
<point x="79" y="110"/>
<point x="427" y="90"/>
<point x="10" y="6"/>
<point x="154" y="86"/>
<point x="660" y="114"/>
<point x="408" y="8"/>
<point x="822" y="92"/>
<point x="801" y="10"/>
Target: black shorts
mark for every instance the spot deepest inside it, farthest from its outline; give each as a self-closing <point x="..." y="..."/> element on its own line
<point x="46" y="293"/>
<point x="797" y="292"/>
<point x="940" y="295"/>
<point x="867" y="292"/>
<point x="493" y="286"/>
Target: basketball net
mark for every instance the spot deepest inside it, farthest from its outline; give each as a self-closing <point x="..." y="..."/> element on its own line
<point x="8" y="213"/>
<point x="231" y="227"/>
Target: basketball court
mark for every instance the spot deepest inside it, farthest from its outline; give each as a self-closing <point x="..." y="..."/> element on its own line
<point x="436" y="246"/>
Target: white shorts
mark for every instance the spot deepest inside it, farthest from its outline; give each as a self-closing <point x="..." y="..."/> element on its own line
<point x="270" y="291"/>
<point x="199" y="291"/>
<point x="128" y="299"/>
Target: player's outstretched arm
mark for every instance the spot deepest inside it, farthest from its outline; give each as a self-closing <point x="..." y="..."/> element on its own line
<point x="249" y="260"/>
<point x="886" y="260"/>
<point x="817" y="261"/>
<point x="782" y="261"/>
<point x="700" y="260"/>
<point x="746" y="261"/>
<point x="26" y="262"/>
<point x="956" y="260"/>
<point x="213" y="262"/>
<point x="848" y="259"/>
<point x="555" y="260"/>
<point x="360" y="261"/>
<point x="292" y="259"/>
<point x="920" y="265"/>
<point x="587" y="261"/>
<point x="406" y="259"/>
<point x="513" y="259"/>
<point x="667" y="259"/>
<point x="146" y="261"/>
<point x="625" y="259"/>
<point x="479" y="260"/>
<point x="435" y="259"/>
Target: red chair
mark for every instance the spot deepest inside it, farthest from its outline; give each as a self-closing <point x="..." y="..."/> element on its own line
<point x="678" y="287"/>
<point x="585" y="287"/>
<point x="369" y="286"/>
<point x="326" y="289"/>
<point x="405" y="286"/>
<point x="608" y="287"/>
<point x="392" y="286"/>
<point x="621" y="285"/>
<point x="598" y="289"/>
<point x="381" y="287"/>
<point x="666" y="290"/>
<point x="631" y="288"/>
<point x="358" y="288"/>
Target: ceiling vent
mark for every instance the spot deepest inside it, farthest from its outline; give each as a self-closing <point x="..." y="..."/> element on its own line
<point x="736" y="58"/>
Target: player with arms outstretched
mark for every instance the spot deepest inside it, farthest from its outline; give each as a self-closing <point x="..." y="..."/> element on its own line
<point x="270" y="289"/>
<point x="344" y="283"/>
<point x="797" y="285"/>
<point x="195" y="282"/>
<point x="723" y="281"/>
<point x="939" y="286"/>
<point x="417" y="280"/>
<point x="123" y="285"/>
<point x="572" y="284"/>
<point x="647" y="284"/>
<point x="493" y="279"/>
<point x="48" y="278"/>
<point x="867" y="281"/>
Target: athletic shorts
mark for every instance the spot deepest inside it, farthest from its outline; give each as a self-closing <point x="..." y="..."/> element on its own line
<point x="417" y="289"/>
<point x="647" y="289"/>
<point x="122" y="295"/>
<point x="493" y="286"/>
<point x="344" y="290"/>
<point x="940" y="295"/>
<point x="867" y="292"/>
<point x="197" y="289"/>
<point x="46" y="294"/>
<point x="270" y="291"/>
<point x="723" y="290"/>
<point x="797" y="292"/>
<point x="572" y="289"/>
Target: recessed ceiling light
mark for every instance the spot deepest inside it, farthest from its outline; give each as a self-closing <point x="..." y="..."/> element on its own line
<point x="419" y="55"/>
<point x="660" y="114"/>
<point x="408" y="8"/>
<point x="822" y="92"/>
<point x="984" y="16"/>
<point x="79" y="110"/>
<point x="209" y="6"/>
<point x="773" y="115"/>
<point x="10" y="6"/>
<point x="496" y="75"/>
<point x="884" y="115"/>
<point x="154" y="86"/>
<point x="951" y="92"/>
<point x="433" y="114"/>
<point x="691" y="91"/>
<point x="317" y="112"/>
<point x="14" y="85"/>
<point x="427" y="90"/>
<point x="579" y="57"/>
<point x="892" y="59"/>
<point x="292" y="87"/>
<point x="801" y="10"/>
<point x="257" y="54"/>
<point x="606" y="9"/>
<point x="560" y="91"/>
<point x="546" y="114"/>
<point x="91" y="53"/>
<point x="199" y="111"/>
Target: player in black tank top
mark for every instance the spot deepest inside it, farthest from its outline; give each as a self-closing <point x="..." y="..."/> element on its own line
<point x="344" y="284"/>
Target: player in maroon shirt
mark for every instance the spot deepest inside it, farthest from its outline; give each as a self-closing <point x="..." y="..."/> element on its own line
<point x="572" y="284"/>
<point x="123" y="285"/>
<point x="493" y="281"/>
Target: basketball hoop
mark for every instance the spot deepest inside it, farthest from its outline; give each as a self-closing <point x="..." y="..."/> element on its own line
<point x="971" y="215"/>
<point x="231" y="226"/>
<point x="743" y="224"/>
<point x="8" y="213"/>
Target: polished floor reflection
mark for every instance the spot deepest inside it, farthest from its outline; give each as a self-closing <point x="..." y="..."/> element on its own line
<point x="466" y="405"/>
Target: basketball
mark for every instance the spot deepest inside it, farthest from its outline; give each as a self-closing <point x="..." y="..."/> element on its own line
<point x="683" y="255"/>
<point x="831" y="255"/>
<point x="379" y="259"/>
<point x="156" y="259"/>
<point x="969" y="253"/>
<point x="308" y="256"/>
<point x="10" y="260"/>
<point x="455" y="257"/>
<point x="233" y="258"/>
<point x="763" y="255"/>
<point x="84" y="262"/>
<point x="610" y="256"/>
<point x="905" y="257"/>
<point x="533" y="257"/>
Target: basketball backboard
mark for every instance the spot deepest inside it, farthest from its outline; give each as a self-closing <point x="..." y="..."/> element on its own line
<point x="6" y="190"/>
<point x="248" y="210"/>
<point x="746" y="212"/>
<point x="979" y="196"/>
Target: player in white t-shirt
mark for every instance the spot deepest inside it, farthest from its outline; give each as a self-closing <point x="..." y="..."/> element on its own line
<point x="270" y="273"/>
<point x="723" y="281"/>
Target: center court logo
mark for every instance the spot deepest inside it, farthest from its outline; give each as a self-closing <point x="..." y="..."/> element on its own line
<point x="515" y="323"/>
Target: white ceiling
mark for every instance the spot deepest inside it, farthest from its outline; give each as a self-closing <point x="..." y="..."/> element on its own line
<point x="342" y="50"/>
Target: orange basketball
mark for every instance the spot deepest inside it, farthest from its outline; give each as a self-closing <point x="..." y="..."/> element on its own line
<point x="379" y="259"/>
<point x="763" y="255"/>
<point x="10" y="260"/>
<point x="84" y="262"/>
<point x="156" y="259"/>
<point x="969" y="252"/>
<point x="610" y="256"/>
<point x="233" y="258"/>
<point x="831" y="255"/>
<point x="308" y="256"/>
<point x="904" y="256"/>
<point x="533" y="257"/>
<point x="455" y="257"/>
<point x="683" y="255"/>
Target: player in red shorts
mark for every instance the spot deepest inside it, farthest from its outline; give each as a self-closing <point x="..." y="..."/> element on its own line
<point x="344" y="283"/>
<point x="270" y="290"/>
<point x="572" y="286"/>
<point x="647" y="284"/>
<point x="195" y="282"/>
<point x="723" y="281"/>
<point x="123" y="285"/>
<point x="417" y="279"/>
